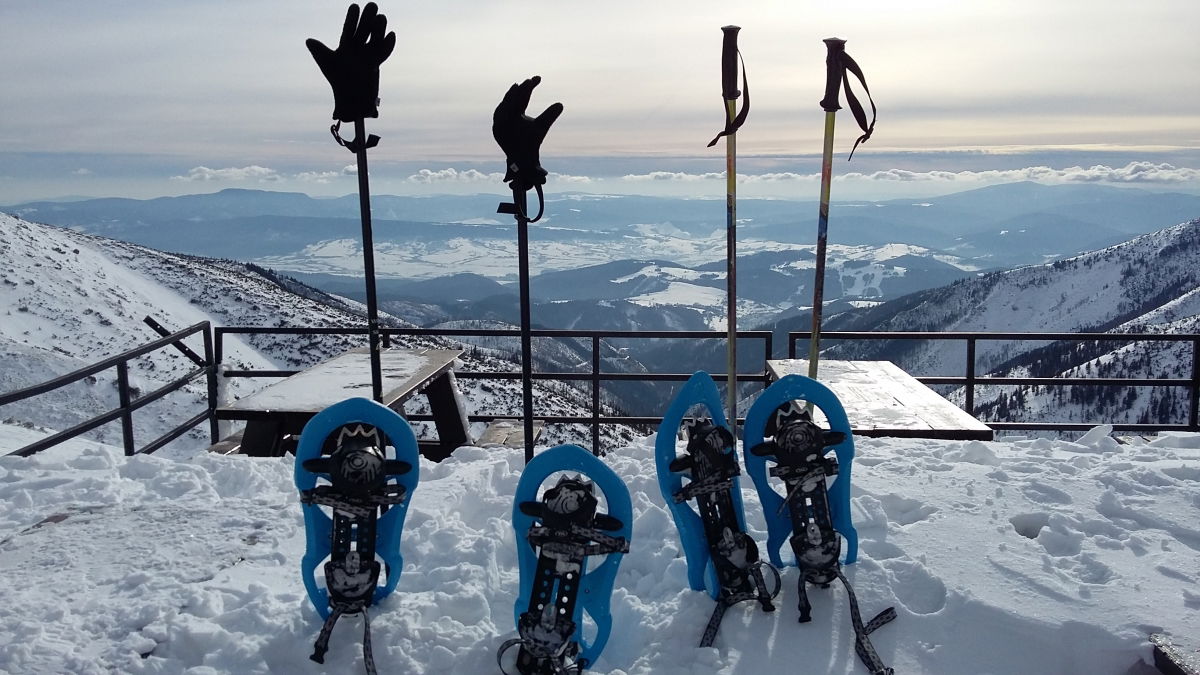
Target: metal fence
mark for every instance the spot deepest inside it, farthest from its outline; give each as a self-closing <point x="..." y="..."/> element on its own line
<point x="594" y="376"/>
<point x="207" y="366"/>
<point x="971" y="380"/>
<point x="128" y="402"/>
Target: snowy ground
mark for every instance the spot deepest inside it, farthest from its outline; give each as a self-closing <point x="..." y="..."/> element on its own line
<point x="1023" y="557"/>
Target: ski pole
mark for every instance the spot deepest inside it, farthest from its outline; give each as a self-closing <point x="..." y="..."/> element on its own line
<point x="837" y="62"/>
<point x="364" y="207"/>
<point x="733" y="120"/>
<point x="833" y="82"/>
<point x="520" y="137"/>
<point x="352" y="70"/>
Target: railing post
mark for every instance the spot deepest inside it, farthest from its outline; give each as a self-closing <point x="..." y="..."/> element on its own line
<point x="214" y="431"/>
<point x="596" y="395"/>
<point x="970" y="397"/>
<point x="770" y="347"/>
<point x="126" y="413"/>
<point x="1194" y="408"/>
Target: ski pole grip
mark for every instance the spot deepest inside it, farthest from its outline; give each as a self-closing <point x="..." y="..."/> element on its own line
<point x="729" y="63"/>
<point x="833" y="73"/>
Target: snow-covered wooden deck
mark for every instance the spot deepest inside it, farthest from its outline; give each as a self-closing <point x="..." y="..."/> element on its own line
<point x="882" y="400"/>
<point x="283" y="408"/>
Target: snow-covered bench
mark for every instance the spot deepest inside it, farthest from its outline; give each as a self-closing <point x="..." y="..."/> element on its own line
<point x="883" y="400"/>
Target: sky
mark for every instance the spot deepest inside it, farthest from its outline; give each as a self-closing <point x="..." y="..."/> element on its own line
<point x="144" y="99"/>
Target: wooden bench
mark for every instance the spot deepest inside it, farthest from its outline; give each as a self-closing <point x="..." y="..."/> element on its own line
<point x="276" y="414"/>
<point x="508" y="432"/>
<point x="883" y="400"/>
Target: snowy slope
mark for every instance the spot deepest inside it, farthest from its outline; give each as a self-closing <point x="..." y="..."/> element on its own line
<point x="1094" y="291"/>
<point x="1022" y="557"/>
<point x="71" y="299"/>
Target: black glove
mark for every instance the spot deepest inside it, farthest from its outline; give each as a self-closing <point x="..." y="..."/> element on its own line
<point x="353" y="68"/>
<point x="520" y="136"/>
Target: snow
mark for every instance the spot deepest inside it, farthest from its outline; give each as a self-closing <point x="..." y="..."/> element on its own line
<point x="1022" y="556"/>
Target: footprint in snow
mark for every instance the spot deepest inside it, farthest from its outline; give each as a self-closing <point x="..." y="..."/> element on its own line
<point x="915" y="587"/>
<point x="905" y="511"/>
<point x="1041" y="493"/>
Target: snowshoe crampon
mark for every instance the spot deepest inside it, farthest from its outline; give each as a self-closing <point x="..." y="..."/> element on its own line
<point x="367" y="492"/>
<point x="810" y="514"/>
<point x="556" y="533"/>
<point x="721" y="557"/>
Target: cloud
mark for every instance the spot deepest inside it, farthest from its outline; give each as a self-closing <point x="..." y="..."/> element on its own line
<point x="83" y="171"/>
<point x="429" y="176"/>
<point x="567" y="178"/>
<point x="350" y="170"/>
<point x="322" y="177"/>
<point x="673" y="176"/>
<point x="204" y="174"/>
<point x="678" y="176"/>
<point x="1133" y="172"/>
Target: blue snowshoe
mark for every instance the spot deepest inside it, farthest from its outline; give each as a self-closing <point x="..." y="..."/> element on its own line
<point x="555" y="535"/>
<point x="721" y="557"/>
<point x="811" y="515"/>
<point x="346" y="446"/>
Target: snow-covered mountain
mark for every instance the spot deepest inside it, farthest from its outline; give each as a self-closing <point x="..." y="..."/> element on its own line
<point x="1148" y="284"/>
<point x="71" y="299"/>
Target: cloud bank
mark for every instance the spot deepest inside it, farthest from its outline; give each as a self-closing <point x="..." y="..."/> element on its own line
<point x="1133" y="172"/>
<point x="204" y="174"/>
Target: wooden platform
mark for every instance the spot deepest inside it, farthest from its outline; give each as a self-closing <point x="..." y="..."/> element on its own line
<point x="883" y="400"/>
<point x="508" y="432"/>
<point x="1173" y="658"/>
<point x="277" y="413"/>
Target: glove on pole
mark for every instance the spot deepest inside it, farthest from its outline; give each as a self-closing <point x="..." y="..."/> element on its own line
<point x="520" y="137"/>
<point x="353" y="72"/>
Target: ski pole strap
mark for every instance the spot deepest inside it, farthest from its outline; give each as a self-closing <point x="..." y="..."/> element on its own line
<point x="838" y="63"/>
<point x="322" y="644"/>
<point x="862" y="643"/>
<point x="732" y="125"/>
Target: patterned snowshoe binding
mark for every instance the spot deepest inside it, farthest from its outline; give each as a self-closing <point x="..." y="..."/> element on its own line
<point x="761" y="416"/>
<point x="721" y="557"/>
<point x="809" y="515"/>
<point x="555" y="535"/>
<point x="360" y="482"/>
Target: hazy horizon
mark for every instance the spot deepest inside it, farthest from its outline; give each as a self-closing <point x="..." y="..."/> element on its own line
<point x="143" y="99"/>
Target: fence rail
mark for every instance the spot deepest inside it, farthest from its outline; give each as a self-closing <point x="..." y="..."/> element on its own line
<point x="971" y="380"/>
<point x="595" y="375"/>
<point x="128" y="402"/>
<point x="208" y="365"/>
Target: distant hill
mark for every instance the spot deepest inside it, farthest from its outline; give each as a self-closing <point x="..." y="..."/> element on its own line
<point x="1148" y="284"/>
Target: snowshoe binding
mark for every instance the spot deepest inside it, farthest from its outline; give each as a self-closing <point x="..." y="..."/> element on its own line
<point x="816" y="515"/>
<point x="555" y="536"/>
<point x="721" y="557"/>
<point x="368" y="494"/>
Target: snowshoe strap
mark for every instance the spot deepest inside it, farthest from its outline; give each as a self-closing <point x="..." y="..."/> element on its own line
<point x="714" y="624"/>
<point x="550" y="540"/>
<point x="358" y="507"/>
<point x="728" y="599"/>
<point x="556" y="668"/>
<point x="704" y="486"/>
<point x="322" y="644"/>
<point x="862" y="643"/>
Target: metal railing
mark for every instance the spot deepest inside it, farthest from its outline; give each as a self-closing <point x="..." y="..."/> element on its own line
<point x="971" y="380"/>
<point x="595" y="376"/>
<point x="207" y="366"/>
<point x="128" y="401"/>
